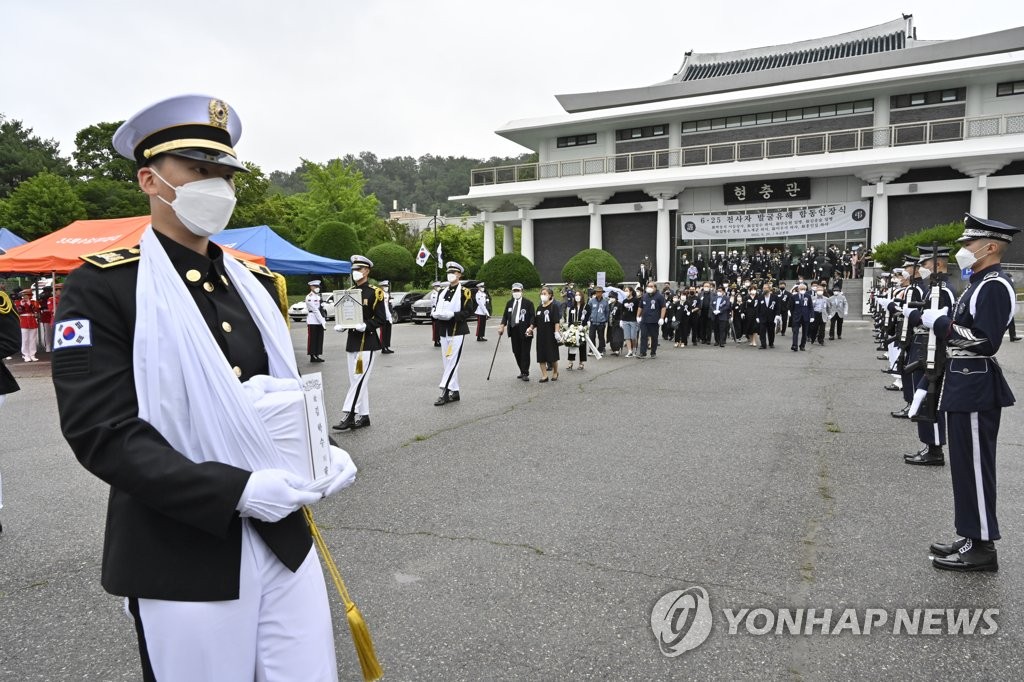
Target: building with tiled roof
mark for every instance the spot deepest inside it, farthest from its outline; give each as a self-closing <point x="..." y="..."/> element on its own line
<point x="856" y="138"/>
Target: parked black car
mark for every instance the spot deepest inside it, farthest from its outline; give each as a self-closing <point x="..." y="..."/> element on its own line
<point x="401" y="302"/>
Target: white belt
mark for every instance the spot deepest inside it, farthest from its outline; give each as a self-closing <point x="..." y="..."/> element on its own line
<point x="960" y="353"/>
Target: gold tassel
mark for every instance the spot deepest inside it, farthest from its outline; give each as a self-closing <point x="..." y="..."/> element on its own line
<point x="448" y="353"/>
<point x="359" y="363"/>
<point x="356" y="623"/>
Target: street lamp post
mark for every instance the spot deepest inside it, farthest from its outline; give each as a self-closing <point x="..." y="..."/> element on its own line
<point x="434" y="222"/>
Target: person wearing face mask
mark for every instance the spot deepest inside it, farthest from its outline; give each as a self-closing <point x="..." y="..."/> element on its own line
<point x="453" y="308"/>
<point x="362" y="344"/>
<point x="630" y="326"/>
<point x="974" y="391"/>
<point x="389" y="314"/>
<point x="651" y="319"/>
<point x="766" y="309"/>
<point x="785" y="297"/>
<point x="801" y="314"/>
<point x="706" y="320"/>
<point x="577" y="314"/>
<point x="819" y="304"/>
<point x="675" y="313"/>
<point x="435" y="291"/>
<point x="516" y="321"/>
<point x="316" y="323"/>
<point x="483" y="311"/>
<point x="720" y="312"/>
<point x="545" y="326"/>
<point x="162" y="354"/>
<point x="598" y="309"/>
<point x="614" y="323"/>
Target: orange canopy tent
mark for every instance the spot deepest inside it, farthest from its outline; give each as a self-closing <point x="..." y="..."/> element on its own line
<point x="59" y="251"/>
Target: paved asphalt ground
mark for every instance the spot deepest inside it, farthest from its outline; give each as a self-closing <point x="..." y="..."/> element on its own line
<point x="526" y="532"/>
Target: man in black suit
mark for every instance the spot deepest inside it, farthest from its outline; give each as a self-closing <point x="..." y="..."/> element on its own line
<point x="704" y="298"/>
<point x="766" y="309"/>
<point x="720" y="309"/>
<point x="516" y="320"/>
<point x="801" y="311"/>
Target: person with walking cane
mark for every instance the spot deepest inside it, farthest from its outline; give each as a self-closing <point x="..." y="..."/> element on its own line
<point x="516" y="321"/>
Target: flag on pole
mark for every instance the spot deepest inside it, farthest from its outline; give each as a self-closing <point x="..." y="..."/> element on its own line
<point x="440" y="258"/>
<point x="423" y="255"/>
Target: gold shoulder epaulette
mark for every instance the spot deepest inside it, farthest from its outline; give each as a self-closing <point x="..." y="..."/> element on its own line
<point x="108" y="259"/>
<point x="256" y="268"/>
<point x="378" y="294"/>
<point x="5" y="303"/>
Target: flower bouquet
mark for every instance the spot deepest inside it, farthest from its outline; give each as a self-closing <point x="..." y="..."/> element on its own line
<point x="574" y="334"/>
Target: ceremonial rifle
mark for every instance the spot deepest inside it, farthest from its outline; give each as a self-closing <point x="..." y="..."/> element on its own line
<point x="935" y="358"/>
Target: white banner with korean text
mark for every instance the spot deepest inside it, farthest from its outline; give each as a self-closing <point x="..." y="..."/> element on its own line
<point x="775" y="224"/>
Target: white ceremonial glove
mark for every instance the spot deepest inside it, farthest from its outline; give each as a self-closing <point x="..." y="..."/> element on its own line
<point x="338" y="328"/>
<point x="882" y="302"/>
<point x="444" y="315"/>
<point x="361" y="327"/>
<point x="343" y="474"/>
<point x="272" y="494"/>
<point x="778" y="319"/>
<point x="661" y="321"/>
<point x="928" y="317"/>
<point x="906" y="310"/>
<point x="915" y="405"/>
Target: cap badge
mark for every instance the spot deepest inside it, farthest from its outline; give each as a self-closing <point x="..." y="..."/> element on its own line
<point x="218" y="114"/>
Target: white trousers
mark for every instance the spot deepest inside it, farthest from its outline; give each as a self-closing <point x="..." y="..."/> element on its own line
<point x="451" y="353"/>
<point x="357" y="400"/>
<point x="46" y="336"/>
<point x="278" y="630"/>
<point x="29" y="340"/>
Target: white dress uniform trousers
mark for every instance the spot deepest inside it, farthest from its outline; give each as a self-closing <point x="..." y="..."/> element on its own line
<point x="357" y="400"/>
<point x="451" y="353"/>
<point x="29" y="343"/>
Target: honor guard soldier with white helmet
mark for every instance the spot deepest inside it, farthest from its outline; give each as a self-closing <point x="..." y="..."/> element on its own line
<point x="205" y="536"/>
<point x="362" y="345"/>
<point x="974" y="392"/>
<point x="316" y="323"/>
<point x="389" y="313"/>
<point x="454" y="306"/>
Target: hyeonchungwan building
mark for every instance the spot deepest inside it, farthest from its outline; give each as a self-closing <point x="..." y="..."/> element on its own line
<point x="853" y="139"/>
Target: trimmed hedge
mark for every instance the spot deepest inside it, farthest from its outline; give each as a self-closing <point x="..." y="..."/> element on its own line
<point x="505" y="269"/>
<point x="334" y="240"/>
<point x="392" y="262"/>
<point x="890" y="254"/>
<point x="584" y="266"/>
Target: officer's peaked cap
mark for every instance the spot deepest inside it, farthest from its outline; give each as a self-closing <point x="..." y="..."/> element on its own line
<point x="357" y="260"/>
<point x="452" y="266"/>
<point x="197" y="127"/>
<point x="983" y="228"/>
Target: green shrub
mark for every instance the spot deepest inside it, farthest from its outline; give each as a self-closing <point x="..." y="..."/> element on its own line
<point x="505" y="269"/>
<point x="584" y="266"/>
<point x="334" y="240"/>
<point x="890" y="254"/>
<point x="392" y="262"/>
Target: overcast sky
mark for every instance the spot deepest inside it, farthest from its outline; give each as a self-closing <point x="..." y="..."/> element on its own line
<point x="321" y="78"/>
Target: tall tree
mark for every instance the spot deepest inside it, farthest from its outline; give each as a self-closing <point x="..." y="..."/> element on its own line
<point x="335" y="193"/>
<point x="23" y="155"/>
<point x="106" y="198"/>
<point x="42" y="204"/>
<point x="95" y="156"/>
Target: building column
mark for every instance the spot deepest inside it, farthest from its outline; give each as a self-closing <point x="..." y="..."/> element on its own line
<point x="663" y="240"/>
<point x="508" y="243"/>
<point x="979" y="193"/>
<point x="488" y="236"/>
<point x="524" y="204"/>
<point x="879" y="177"/>
<point x="593" y="200"/>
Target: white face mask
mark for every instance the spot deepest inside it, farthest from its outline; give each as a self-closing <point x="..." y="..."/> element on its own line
<point x="517" y="295"/>
<point x="203" y="206"/>
<point x="316" y="290"/>
<point x="650" y="290"/>
<point x="924" y="273"/>
<point x="579" y="298"/>
<point x="358" y="275"/>
<point x="966" y="259"/>
<point x="452" y="277"/>
<point x="544" y="298"/>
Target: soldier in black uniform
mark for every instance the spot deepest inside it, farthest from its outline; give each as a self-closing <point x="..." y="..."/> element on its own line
<point x="389" y="313"/>
<point x="10" y="340"/>
<point x="974" y="392"/>
<point x="362" y="344"/>
<point x="453" y="308"/>
<point x="185" y="527"/>
<point x="516" y="320"/>
<point x="932" y="434"/>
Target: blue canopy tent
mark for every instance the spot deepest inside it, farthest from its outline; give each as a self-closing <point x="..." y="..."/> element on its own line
<point x="8" y="240"/>
<point x="282" y="256"/>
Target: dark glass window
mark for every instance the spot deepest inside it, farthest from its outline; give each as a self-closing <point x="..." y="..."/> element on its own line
<point x="782" y="116"/>
<point x="577" y="140"/>
<point x="1011" y="88"/>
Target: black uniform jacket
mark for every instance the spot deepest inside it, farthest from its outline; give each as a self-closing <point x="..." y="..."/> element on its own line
<point x="457" y="325"/>
<point x="10" y="341"/>
<point x="172" y="530"/>
<point x="526" y="312"/>
<point x="374" y="317"/>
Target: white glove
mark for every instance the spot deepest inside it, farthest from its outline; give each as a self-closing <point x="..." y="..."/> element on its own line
<point x="884" y="302"/>
<point x="338" y="328"/>
<point x="622" y="325"/>
<point x="778" y="319"/>
<point x="661" y="321"/>
<point x="558" y="337"/>
<point x="272" y="494"/>
<point x="343" y="474"/>
<point x="906" y="310"/>
<point x="929" y="316"/>
<point x="443" y="315"/>
<point x="361" y="327"/>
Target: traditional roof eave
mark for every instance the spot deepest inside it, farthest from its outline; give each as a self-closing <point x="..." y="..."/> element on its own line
<point x="989" y="43"/>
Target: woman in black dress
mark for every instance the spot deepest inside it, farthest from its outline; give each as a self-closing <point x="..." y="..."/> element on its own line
<point x="544" y="327"/>
<point x="578" y="313"/>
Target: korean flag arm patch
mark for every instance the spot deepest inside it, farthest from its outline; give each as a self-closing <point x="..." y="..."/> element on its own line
<point x="72" y="334"/>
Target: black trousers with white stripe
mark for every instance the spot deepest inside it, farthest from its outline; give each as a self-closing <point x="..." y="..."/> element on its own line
<point x="972" y="461"/>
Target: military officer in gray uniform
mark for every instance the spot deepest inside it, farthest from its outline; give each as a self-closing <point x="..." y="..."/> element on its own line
<point x="974" y="392"/>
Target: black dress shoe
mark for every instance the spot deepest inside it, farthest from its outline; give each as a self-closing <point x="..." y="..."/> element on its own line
<point x="881" y="357"/>
<point x="345" y="424"/>
<point x="361" y="421"/>
<point x="481" y="339"/>
<point x="437" y="344"/>
<point x="892" y="387"/>
<point x="443" y="399"/>
<point x="943" y="550"/>
<point x="386" y="351"/>
<point x="902" y="414"/>
<point x="930" y="456"/>
<point x="453" y="397"/>
<point x="1016" y="338"/>
<point x="525" y="377"/>
<point x="974" y="555"/>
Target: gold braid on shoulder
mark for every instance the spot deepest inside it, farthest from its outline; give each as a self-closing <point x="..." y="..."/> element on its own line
<point x="282" y="294"/>
<point x="5" y="303"/>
